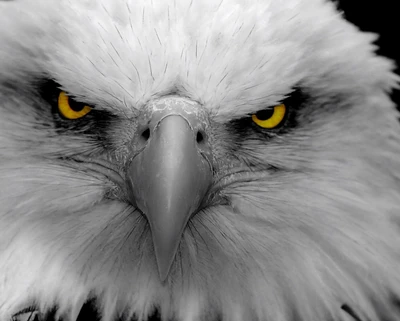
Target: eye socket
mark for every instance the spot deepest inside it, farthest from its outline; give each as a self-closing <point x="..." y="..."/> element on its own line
<point x="71" y="109"/>
<point x="270" y="118"/>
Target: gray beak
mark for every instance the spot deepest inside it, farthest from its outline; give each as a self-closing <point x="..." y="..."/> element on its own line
<point x="170" y="176"/>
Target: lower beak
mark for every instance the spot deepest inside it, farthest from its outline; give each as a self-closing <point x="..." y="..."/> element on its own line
<point x="169" y="178"/>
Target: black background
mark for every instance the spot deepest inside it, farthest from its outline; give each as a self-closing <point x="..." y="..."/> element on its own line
<point x="379" y="17"/>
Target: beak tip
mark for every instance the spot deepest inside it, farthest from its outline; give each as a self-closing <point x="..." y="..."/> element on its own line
<point x="163" y="269"/>
<point x="163" y="276"/>
<point x="166" y="239"/>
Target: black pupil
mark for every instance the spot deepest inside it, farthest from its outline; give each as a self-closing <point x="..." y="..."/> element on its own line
<point x="75" y="106"/>
<point x="265" y="114"/>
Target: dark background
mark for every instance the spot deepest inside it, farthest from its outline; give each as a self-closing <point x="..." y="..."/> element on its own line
<point x="379" y="17"/>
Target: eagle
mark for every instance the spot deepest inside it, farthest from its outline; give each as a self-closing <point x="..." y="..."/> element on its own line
<point x="196" y="160"/>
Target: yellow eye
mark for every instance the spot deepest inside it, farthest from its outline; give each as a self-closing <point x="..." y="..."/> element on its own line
<point x="71" y="109"/>
<point x="270" y="118"/>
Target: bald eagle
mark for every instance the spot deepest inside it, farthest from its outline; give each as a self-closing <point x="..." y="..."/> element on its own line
<point x="196" y="160"/>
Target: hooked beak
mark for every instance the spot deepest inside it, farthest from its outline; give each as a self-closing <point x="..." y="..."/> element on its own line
<point x="170" y="177"/>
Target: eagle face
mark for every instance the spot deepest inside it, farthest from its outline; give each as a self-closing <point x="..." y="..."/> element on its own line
<point x="204" y="160"/>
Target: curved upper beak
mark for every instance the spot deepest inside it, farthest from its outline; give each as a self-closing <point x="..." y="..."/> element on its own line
<point x="168" y="179"/>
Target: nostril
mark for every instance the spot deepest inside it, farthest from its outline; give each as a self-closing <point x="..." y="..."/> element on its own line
<point x="146" y="134"/>
<point x="199" y="137"/>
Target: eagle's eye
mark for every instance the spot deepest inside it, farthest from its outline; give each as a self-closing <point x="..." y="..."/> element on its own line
<point x="270" y="118"/>
<point x="71" y="109"/>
